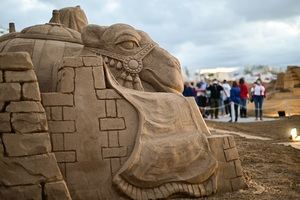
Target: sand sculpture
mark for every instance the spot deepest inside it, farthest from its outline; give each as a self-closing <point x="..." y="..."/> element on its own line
<point x="290" y="79"/>
<point x="118" y="126"/>
<point x="286" y="96"/>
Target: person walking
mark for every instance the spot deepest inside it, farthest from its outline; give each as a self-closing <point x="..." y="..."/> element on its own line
<point x="215" y="94"/>
<point x="244" y="98"/>
<point x="258" y="92"/>
<point x="235" y="99"/>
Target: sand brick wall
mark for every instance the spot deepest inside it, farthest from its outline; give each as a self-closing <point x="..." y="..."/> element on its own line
<point x="230" y="172"/>
<point x="28" y="168"/>
<point x="91" y="127"/>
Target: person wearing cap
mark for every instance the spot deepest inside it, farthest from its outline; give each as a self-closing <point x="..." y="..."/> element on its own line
<point x="215" y="94"/>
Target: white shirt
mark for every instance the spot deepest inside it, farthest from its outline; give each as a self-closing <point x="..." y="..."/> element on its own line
<point x="258" y="90"/>
<point x="226" y="88"/>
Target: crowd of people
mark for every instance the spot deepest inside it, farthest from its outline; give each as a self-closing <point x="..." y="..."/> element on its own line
<point x="215" y="97"/>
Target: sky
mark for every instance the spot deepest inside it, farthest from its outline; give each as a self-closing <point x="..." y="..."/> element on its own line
<point x="201" y="33"/>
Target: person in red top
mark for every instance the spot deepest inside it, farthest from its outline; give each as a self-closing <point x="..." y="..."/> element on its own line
<point x="244" y="97"/>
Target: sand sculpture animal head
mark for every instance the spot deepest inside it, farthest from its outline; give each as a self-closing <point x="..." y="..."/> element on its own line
<point x="134" y="58"/>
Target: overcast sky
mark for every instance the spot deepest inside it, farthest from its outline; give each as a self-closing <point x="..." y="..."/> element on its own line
<point x="201" y="33"/>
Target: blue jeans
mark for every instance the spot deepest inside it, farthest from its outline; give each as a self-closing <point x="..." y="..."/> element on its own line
<point x="243" y="107"/>
<point x="258" y="102"/>
<point x="244" y="103"/>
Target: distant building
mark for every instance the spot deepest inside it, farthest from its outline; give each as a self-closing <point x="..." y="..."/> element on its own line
<point x="250" y="73"/>
<point x="219" y="73"/>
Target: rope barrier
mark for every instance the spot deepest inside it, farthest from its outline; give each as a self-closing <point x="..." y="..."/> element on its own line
<point x="264" y="107"/>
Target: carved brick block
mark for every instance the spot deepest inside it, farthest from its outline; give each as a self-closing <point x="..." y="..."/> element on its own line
<point x="71" y="141"/>
<point x="10" y="91"/>
<point x="56" y="113"/>
<point x="31" y="91"/>
<point x="26" y="144"/>
<point x="57" y="141"/>
<point x="15" y="61"/>
<point x="112" y="124"/>
<point x="113" y="138"/>
<point x="61" y="126"/>
<point x="72" y="61"/>
<point x="104" y="139"/>
<point x="65" y="156"/>
<point x="29" y="122"/>
<point x="115" y="164"/>
<point x="114" y="152"/>
<point x="228" y="169"/>
<point x="231" y="154"/>
<point x="231" y="141"/>
<point x="21" y="192"/>
<point x="111" y="109"/>
<point x="69" y="113"/>
<point x="25" y="106"/>
<point x="107" y="94"/>
<point x="226" y="143"/>
<point x="20" y="76"/>
<point x="99" y="79"/>
<point x="5" y="122"/>
<point x="57" y="99"/>
<point x="57" y="191"/>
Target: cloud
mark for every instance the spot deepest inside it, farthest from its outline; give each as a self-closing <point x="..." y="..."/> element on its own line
<point x="29" y="5"/>
<point x="202" y="33"/>
<point x="265" y="10"/>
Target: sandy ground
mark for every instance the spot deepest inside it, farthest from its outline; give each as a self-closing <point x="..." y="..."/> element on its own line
<point x="272" y="171"/>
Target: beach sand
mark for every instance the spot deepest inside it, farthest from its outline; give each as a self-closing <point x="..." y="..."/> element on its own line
<point x="272" y="170"/>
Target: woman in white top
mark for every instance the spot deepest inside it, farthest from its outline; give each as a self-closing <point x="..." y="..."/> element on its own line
<point x="258" y="94"/>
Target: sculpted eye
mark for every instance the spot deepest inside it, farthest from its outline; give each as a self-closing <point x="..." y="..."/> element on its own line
<point x="128" y="45"/>
<point x="128" y="41"/>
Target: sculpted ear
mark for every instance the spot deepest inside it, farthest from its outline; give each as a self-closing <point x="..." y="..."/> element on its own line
<point x="91" y="35"/>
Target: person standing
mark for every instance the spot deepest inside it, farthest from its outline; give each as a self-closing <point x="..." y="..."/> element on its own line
<point x="226" y="93"/>
<point x="188" y="90"/>
<point x="258" y="92"/>
<point x="201" y="102"/>
<point x="215" y="94"/>
<point x="201" y="99"/>
<point x="244" y="98"/>
<point x="235" y="93"/>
